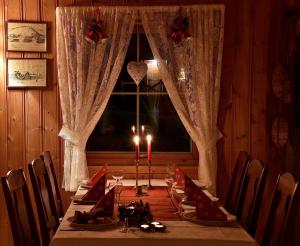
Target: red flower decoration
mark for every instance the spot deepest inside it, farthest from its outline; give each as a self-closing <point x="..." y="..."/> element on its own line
<point x="179" y="30"/>
<point x="96" y="30"/>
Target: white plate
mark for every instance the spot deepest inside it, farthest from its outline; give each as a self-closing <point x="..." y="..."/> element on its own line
<point x="91" y="227"/>
<point x="191" y="216"/>
<point x="78" y="199"/>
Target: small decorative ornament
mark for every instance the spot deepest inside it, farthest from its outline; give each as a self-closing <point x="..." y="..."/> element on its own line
<point x="137" y="70"/>
<point x="280" y="132"/>
<point x="179" y="30"/>
<point x="96" y="31"/>
<point x="281" y="83"/>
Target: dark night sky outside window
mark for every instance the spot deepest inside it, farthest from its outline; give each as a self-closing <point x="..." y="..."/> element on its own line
<point x="155" y="111"/>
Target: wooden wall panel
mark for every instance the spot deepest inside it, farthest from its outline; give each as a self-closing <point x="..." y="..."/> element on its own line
<point x="4" y="227"/>
<point x="33" y="103"/>
<point x="16" y="128"/>
<point x="241" y="79"/>
<point x="225" y="158"/>
<point x="29" y="118"/>
<point x="51" y="107"/>
<point x="260" y="139"/>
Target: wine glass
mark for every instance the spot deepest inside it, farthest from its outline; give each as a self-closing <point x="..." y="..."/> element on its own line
<point x="118" y="175"/>
<point x="170" y="176"/>
<point x="128" y="211"/>
<point x="182" y="201"/>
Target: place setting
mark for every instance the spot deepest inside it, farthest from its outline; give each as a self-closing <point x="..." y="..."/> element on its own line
<point x="198" y="207"/>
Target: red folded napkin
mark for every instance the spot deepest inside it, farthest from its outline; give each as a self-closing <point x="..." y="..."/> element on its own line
<point x="105" y="206"/>
<point x="178" y="175"/>
<point x="206" y="209"/>
<point x="191" y="189"/>
<point x="93" y="180"/>
<point x="97" y="191"/>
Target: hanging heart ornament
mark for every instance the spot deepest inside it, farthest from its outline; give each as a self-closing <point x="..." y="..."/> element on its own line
<point x="137" y="70"/>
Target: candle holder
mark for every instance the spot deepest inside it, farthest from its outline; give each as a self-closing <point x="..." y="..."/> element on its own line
<point x="149" y="175"/>
<point x="138" y="189"/>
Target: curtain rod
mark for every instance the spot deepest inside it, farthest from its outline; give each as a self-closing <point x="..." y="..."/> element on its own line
<point x="146" y="6"/>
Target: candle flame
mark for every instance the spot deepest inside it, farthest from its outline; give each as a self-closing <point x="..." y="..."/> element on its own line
<point x="149" y="138"/>
<point x="133" y="129"/>
<point x="136" y="140"/>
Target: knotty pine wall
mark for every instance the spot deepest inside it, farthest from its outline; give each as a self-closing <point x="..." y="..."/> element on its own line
<point x="30" y="118"/>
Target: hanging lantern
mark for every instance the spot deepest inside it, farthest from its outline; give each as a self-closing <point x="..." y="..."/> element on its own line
<point x="137" y="71"/>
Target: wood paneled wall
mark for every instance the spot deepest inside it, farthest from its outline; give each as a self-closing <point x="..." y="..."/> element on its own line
<point x="30" y="118"/>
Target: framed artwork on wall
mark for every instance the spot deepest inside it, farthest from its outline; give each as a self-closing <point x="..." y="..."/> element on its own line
<point x="26" y="36"/>
<point x="26" y="73"/>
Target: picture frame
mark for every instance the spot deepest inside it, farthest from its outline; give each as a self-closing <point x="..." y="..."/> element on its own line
<point x="26" y="36"/>
<point x="30" y="72"/>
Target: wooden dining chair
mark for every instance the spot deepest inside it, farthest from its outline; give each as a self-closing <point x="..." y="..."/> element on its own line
<point x="20" y="213"/>
<point x="45" y="203"/>
<point x="236" y="180"/>
<point x="46" y="157"/>
<point x="280" y="212"/>
<point x="250" y="196"/>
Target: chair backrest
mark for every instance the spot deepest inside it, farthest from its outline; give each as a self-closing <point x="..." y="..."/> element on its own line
<point x="46" y="157"/>
<point x="251" y="195"/>
<point x="280" y="211"/>
<point x="45" y="203"/>
<point x="19" y="209"/>
<point x="236" y="180"/>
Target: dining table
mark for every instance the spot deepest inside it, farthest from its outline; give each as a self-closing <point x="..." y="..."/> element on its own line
<point x="179" y="231"/>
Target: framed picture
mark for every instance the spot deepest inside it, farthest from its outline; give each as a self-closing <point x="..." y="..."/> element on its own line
<point x="26" y="36"/>
<point x="26" y="73"/>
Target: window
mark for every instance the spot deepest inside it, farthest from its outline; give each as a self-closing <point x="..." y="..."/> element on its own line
<point x="147" y="104"/>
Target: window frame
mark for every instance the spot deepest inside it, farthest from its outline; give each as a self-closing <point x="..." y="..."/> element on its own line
<point x="127" y="157"/>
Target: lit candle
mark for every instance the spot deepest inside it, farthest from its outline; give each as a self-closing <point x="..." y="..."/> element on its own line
<point x="143" y="130"/>
<point x="149" y="138"/>
<point x="136" y="140"/>
<point x="133" y="129"/>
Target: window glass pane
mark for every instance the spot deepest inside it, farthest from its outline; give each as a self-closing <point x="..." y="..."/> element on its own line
<point x="156" y="112"/>
<point x="123" y="84"/>
<point x="160" y="118"/>
<point x="112" y="133"/>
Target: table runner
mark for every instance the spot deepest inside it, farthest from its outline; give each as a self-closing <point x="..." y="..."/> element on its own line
<point x="160" y="201"/>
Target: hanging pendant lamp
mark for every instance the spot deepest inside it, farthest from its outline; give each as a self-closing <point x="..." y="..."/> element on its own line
<point x="137" y="69"/>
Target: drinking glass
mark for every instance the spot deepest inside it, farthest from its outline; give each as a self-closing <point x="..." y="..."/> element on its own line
<point x="182" y="201"/>
<point x="118" y="175"/>
<point x="128" y="211"/>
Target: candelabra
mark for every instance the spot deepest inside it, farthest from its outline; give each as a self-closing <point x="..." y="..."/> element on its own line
<point x="139" y="190"/>
<point x="147" y="156"/>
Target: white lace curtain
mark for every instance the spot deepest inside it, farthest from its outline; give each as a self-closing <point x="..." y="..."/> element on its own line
<point x="191" y="74"/>
<point x="190" y="71"/>
<point x="87" y="74"/>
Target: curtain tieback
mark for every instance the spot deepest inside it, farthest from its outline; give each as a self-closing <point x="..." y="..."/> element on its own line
<point x="71" y="136"/>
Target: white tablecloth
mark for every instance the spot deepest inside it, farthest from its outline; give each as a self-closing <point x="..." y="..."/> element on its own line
<point x="183" y="233"/>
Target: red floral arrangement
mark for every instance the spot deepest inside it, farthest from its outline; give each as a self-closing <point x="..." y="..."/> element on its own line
<point x="96" y="30"/>
<point x="179" y="29"/>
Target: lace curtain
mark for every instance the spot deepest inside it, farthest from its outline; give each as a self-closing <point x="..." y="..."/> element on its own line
<point x="87" y="74"/>
<point x="191" y="73"/>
